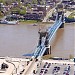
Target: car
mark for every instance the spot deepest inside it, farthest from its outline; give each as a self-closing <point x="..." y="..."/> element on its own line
<point x="45" y="71"/>
<point x="64" y="73"/>
<point x="45" y="65"/>
<point x="58" y="68"/>
<point x="41" y="70"/>
<point x="55" y="67"/>
<point x="48" y="65"/>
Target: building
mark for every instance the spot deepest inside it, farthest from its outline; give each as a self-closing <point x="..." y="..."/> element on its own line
<point x="36" y="13"/>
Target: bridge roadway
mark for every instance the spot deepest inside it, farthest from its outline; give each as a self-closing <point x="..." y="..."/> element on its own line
<point x="51" y="31"/>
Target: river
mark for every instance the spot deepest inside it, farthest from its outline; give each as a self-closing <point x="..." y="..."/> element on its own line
<point x="16" y="40"/>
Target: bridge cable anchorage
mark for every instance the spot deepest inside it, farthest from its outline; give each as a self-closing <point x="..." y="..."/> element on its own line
<point x="48" y="35"/>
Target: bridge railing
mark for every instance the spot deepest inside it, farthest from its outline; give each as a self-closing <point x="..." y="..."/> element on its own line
<point x="37" y="50"/>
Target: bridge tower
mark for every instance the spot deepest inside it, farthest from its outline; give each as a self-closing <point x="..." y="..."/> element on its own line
<point x="48" y="47"/>
<point x="60" y="12"/>
<point x="41" y="35"/>
<point x="48" y="50"/>
<point x="46" y="36"/>
<point x="62" y="19"/>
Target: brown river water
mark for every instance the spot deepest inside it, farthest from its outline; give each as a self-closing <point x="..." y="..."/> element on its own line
<point x="16" y="40"/>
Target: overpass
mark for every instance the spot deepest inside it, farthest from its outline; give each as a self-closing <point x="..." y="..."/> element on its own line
<point x="44" y="44"/>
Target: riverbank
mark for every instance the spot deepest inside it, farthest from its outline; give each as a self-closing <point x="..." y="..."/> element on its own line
<point x="34" y="23"/>
<point x="26" y="22"/>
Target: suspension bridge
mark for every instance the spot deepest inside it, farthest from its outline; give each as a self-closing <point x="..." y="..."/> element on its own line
<point x="44" y="44"/>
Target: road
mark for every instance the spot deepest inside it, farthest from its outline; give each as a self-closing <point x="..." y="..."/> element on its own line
<point x="67" y="13"/>
<point x="48" y="14"/>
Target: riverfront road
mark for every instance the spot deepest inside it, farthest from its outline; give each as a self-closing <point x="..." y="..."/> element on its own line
<point x="49" y="14"/>
<point x="67" y="13"/>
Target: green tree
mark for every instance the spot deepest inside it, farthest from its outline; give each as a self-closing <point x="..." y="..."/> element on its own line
<point x="1" y="15"/>
<point x="22" y="12"/>
<point x="34" y="1"/>
<point x="1" y="1"/>
<point x="16" y="9"/>
<point x="0" y="7"/>
<point x="40" y="1"/>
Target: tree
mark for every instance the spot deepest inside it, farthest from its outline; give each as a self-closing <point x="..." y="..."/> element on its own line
<point x="34" y="1"/>
<point x="1" y="1"/>
<point x="1" y="15"/>
<point x="0" y="7"/>
<point x="15" y="10"/>
<point x="22" y="12"/>
<point x="40" y="2"/>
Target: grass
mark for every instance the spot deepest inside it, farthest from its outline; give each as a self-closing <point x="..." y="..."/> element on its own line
<point x="47" y="56"/>
<point x="1" y="17"/>
<point x="34" y="22"/>
<point x="71" y="56"/>
<point x="28" y="21"/>
<point x="71" y="16"/>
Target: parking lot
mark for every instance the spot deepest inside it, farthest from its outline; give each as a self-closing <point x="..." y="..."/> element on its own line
<point x="48" y="68"/>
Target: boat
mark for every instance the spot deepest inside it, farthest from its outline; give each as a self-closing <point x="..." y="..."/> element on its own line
<point x="8" y="22"/>
<point x="12" y="22"/>
<point x="3" y="22"/>
<point x="34" y="24"/>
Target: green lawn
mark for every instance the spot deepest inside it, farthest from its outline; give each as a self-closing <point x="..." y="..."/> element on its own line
<point x="47" y="57"/>
<point x="71" y="16"/>
<point x="28" y="21"/>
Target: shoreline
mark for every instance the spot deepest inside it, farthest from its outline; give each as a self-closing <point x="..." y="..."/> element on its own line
<point x="34" y="23"/>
